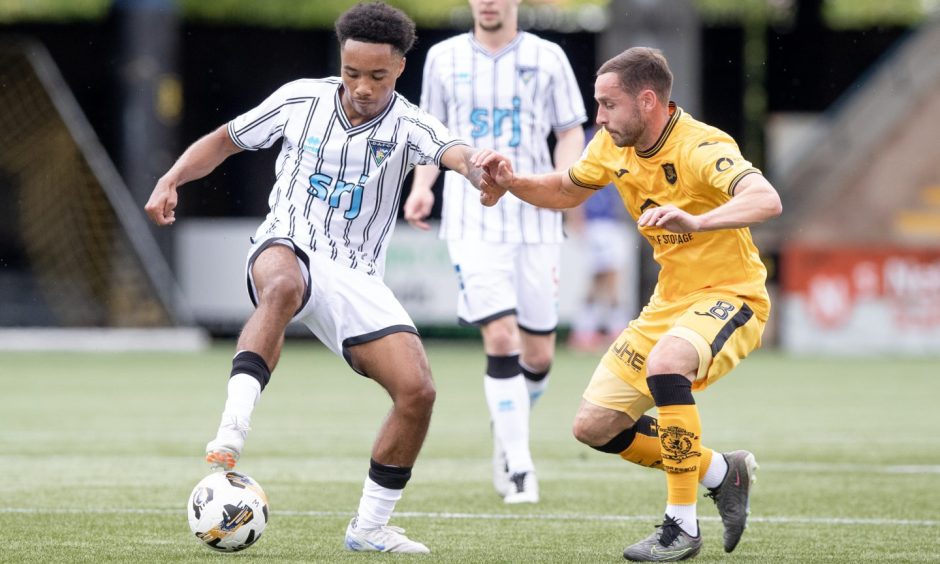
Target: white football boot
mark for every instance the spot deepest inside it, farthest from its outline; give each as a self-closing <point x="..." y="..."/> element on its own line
<point x="501" y="481"/>
<point x="223" y="451"/>
<point x="523" y="488"/>
<point x="381" y="539"/>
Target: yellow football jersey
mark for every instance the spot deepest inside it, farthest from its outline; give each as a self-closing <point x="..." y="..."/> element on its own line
<point x="694" y="167"/>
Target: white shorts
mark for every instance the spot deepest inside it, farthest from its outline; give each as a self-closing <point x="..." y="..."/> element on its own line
<point x="342" y="307"/>
<point x="499" y="279"/>
<point x="612" y="247"/>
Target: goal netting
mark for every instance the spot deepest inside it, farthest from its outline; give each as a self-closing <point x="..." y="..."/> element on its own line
<point x="75" y="250"/>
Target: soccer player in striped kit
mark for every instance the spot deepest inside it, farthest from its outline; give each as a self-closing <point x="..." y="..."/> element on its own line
<point x="347" y="144"/>
<point x="507" y="90"/>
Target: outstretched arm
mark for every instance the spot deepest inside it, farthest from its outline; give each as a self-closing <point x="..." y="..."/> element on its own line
<point x="553" y="190"/>
<point x="201" y="158"/>
<point x="755" y="201"/>
<point x="459" y="158"/>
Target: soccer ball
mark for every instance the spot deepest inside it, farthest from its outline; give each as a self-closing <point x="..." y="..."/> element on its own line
<point x="227" y="511"/>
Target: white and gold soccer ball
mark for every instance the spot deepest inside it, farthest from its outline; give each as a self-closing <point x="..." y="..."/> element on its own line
<point x="227" y="511"/>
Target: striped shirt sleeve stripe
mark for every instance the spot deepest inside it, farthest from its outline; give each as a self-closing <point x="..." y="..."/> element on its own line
<point x="425" y="127"/>
<point x="582" y="184"/>
<point x="570" y="123"/>
<point x="234" y="137"/>
<point x="737" y="179"/>
<point x="443" y="149"/>
<point x="258" y="121"/>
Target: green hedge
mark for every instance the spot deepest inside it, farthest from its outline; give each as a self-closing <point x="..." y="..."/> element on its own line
<point x="838" y="14"/>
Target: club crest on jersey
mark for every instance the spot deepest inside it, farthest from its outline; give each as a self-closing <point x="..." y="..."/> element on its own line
<point x="380" y="150"/>
<point x="670" y="170"/>
<point x="526" y="73"/>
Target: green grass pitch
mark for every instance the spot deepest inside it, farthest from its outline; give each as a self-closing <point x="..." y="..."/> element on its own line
<point x="99" y="452"/>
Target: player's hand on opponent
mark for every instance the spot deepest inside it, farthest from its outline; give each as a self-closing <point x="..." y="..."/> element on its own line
<point x="670" y="218"/>
<point x="497" y="176"/>
<point x="418" y="207"/>
<point x="162" y="203"/>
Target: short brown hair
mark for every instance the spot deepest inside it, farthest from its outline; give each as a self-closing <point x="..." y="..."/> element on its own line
<point x="640" y="68"/>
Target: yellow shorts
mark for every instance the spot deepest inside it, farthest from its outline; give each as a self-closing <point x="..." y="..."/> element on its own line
<point x="722" y="328"/>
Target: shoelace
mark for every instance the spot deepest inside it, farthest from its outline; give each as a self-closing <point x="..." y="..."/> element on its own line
<point x="519" y="480"/>
<point x="670" y="532"/>
<point x="393" y="536"/>
<point x="713" y="494"/>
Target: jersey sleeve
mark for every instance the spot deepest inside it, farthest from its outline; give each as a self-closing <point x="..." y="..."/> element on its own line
<point x="567" y="106"/>
<point x="720" y="164"/>
<point x="589" y="171"/>
<point x="433" y="96"/>
<point x="429" y="139"/>
<point x="262" y="126"/>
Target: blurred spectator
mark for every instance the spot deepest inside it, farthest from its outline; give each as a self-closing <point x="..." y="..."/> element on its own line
<point x="612" y="244"/>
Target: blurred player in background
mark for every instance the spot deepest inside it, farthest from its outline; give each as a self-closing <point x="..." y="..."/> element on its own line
<point x="347" y="144"/>
<point x="507" y="90"/>
<point x="612" y="294"/>
<point x="693" y="196"/>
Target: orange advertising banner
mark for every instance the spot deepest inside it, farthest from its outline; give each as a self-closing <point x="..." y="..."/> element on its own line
<point x="860" y="300"/>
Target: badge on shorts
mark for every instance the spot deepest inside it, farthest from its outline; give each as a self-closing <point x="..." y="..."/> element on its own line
<point x="670" y="171"/>
<point x="380" y="150"/>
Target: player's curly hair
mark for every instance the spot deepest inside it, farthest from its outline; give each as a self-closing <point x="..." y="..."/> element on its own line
<point x="377" y="22"/>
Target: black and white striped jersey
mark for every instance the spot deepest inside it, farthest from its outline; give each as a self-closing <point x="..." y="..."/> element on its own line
<point x="337" y="187"/>
<point x="509" y="101"/>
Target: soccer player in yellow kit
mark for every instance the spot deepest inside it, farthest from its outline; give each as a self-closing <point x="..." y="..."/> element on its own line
<point x="693" y="196"/>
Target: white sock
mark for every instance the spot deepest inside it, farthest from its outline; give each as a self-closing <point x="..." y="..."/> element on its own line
<point x="535" y="387"/>
<point x="243" y="394"/>
<point x="508" y="400"/>
<point x="686" y="516"/>
<point x="376" y="505"/>
<point x="715" y="474"/>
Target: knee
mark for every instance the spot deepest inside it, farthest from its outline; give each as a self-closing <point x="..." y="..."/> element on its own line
<point x="282" y="292"/>
<point x="538" y="361"/>
<point x="673" y="355"/>
<point x="581" y="432"/>
<point x="501" y="336"/>
<point x="426" y="396"/>
<point x="586" y="431"/>
<point x="660" y="364"/>
<point x="418" y="399"/>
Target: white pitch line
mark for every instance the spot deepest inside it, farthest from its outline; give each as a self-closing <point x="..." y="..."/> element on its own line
<point x="853" y="468"/>
<point x="774" y="520"/>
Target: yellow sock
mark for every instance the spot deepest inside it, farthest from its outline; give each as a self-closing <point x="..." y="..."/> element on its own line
<point x="680" y="438"/>
<point x="645" y="449"/>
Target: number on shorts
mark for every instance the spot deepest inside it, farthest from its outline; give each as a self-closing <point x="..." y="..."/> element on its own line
<point x="721" y="310"/>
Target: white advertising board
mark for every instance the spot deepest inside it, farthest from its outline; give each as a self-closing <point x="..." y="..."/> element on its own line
<point x="210" y="261"/>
